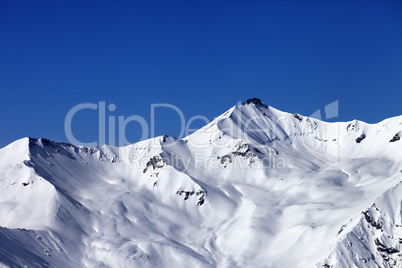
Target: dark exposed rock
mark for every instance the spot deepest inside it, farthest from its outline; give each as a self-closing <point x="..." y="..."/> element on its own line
<point x="298" y="117"/>
<point x="378" y="243"/>
<point x="341" y="230"/>
<point x="256" y="150"/>
<point x="226" y="159"/>
<point x="371" y="221"/>
<point x="383" y="248"/>
<point x="397" y="137"/>
<point x="311" y="124"/>
<point x="351" y="127"/>
<point x="253" y="101"/>
<point x="155" y="162"/>
<point x="46" y="142"/>
<point x="244" y="150"/>
<point x="201" y="197"/>
<point x="187" y="194"/>
<point x="200" y="194"/>
<point x="360" y="138"/>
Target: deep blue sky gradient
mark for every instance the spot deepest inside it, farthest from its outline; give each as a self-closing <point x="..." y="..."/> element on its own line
<point x="203" y="56"/>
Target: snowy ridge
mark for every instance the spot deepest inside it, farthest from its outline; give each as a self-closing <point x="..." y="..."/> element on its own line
<point x="374" y="239"/>
<point x="255" y="187"/>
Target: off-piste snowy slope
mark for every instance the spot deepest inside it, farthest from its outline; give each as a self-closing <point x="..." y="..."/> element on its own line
<point x="256" y="187"/>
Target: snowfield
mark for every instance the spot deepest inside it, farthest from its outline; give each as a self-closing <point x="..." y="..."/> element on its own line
<point x="256" y="187"/>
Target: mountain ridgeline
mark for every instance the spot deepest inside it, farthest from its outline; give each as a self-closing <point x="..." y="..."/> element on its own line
<point x="256" y="187"/>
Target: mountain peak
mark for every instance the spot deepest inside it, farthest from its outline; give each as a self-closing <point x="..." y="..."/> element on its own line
<point x="253" y="101"/>
<point x="253" y="186"/>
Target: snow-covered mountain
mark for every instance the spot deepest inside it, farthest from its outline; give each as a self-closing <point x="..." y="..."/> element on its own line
<point x="256" y="187"/>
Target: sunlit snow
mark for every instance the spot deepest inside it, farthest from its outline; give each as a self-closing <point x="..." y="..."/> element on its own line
<point x="257" y="187"/>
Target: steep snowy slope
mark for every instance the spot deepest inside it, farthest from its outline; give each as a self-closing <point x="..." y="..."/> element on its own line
<point x="255" y="187"/>
<point x="373" y="238"/>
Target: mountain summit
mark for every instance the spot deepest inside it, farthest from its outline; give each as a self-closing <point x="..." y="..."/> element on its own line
<point x="257" y="187"/>
<point x="253" y="101"/>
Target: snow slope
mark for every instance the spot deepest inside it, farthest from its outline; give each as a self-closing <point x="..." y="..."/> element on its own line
<point x="256" y="187"/>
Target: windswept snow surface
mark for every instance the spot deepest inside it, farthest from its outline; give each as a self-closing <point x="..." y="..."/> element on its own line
<point x="256" y="187"/>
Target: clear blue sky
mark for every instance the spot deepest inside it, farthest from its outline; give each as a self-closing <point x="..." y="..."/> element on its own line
<point x="203" y="56"/>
